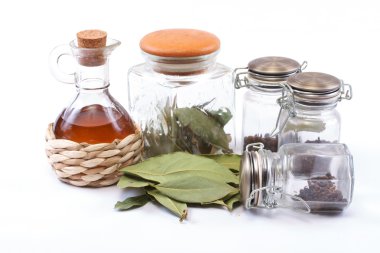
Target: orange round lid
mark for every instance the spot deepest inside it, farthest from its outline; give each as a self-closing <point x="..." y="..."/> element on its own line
<point x="179" y="43"/>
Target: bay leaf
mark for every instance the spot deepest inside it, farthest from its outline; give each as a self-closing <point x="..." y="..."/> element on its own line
<point x="132" y="202"/>
<point x="216" y="202"/>
<point x="176" y="166"/>
<point x="130" y="182"/>
<point x="204" y="126"/>
<point x="223" y="115"/>
<point x="232" y="201"/>
<point x="230" y="161"/>
<point x="176" y="207"/>
<point x="195" y="189"/>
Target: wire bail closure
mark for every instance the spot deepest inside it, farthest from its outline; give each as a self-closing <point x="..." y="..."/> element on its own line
<point x="256" y="146"/>
<point x="272" y="190"/>
<point x="286" y="102"/>
<point x="345" y="93"/>
<point x="237" y="80"/>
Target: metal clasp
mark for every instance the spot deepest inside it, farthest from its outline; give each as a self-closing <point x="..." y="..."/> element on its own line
<point x="345" y="93"/>
<point x="286" y="102"/>
<point x="302" y="67"/>
<point x="256" y="146"/>
<point x="273" y="204"/>
<point x="240" y="82"/>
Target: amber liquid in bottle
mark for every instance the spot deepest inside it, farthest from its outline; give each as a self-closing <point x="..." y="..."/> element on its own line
<point x="94" y="124"/>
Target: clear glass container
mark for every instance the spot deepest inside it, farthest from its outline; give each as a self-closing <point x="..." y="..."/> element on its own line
<point x="93" y="116"/>
<point x="310" y="177"/>
<point x="263" y="79"/>
<point x="308" y="113"/>
<point x="183" y="103"/>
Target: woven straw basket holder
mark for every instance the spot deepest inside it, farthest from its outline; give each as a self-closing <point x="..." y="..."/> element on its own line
<point x="92" y="165"/>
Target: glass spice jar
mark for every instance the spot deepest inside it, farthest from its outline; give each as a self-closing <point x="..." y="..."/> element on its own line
<point x="263" y="79"/>
<point x="304" y="176"/>
<point x="181" y="97"/>
<point x="308" y="108"/>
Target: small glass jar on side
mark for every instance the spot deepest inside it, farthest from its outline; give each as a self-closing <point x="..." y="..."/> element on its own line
<point x="308" y="109"/>
<point x="181" y="97"/>
<point x="316" y="178"/>
<point x="263" y="80"/>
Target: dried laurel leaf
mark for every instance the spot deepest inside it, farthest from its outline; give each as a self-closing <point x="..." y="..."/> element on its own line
<point x="176" y="207"/>
<point x="131" y="202"/>
<point x="204" y="126"/>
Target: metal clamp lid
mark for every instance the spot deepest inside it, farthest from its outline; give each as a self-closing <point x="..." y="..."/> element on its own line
<point x="271" y="69"/>
<point x="318" y="88"/>
<point x="252" y="185"/>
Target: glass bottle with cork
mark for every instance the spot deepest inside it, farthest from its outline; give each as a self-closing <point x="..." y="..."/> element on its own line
<point x="182" y="98"/>
<point x="94" y="116"/>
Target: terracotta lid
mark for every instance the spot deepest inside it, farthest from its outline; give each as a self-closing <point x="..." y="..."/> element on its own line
<point x="179" y="43"/>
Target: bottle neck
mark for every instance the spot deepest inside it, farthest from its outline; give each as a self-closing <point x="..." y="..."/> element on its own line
<point x="93" y="77"/>
<point x="180" y="65"/>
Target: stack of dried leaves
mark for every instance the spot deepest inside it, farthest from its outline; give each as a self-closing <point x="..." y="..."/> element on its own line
<point x="196" y="130"/>
<point x="178" y="179"/>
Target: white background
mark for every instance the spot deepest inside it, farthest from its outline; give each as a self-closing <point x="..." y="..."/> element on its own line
<point x="40" y="214"/>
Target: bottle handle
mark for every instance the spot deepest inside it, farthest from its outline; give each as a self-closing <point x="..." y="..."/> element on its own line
<point x="55" y="67"/>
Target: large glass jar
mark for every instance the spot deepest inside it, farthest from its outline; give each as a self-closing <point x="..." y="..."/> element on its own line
<point x="308" y="113"/>
<point x="303" y="176"/>
<point x="263" y="79"/>
<point x="182" y="99"/>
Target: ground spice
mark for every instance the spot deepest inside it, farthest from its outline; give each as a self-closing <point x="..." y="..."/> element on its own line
<point x="270" y="143"/>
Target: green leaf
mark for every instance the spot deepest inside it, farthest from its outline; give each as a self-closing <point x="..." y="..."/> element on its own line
<point x="132" y="202"/>
<point x="195" y="189"/>
<point x="204" y="126"/>
<point x="178" y="208"/>
<point x="130" y="182"/>
<point x="216" y="202"/>
<point x="232" y="201"/>
<point x="229" y="161"/>
<point x="223" y="115"/>
<point x="179" y="165"/>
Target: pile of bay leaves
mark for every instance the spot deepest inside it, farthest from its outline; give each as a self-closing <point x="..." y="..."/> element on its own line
<point x="196" y="130"/>
<point x="180" y="179"/>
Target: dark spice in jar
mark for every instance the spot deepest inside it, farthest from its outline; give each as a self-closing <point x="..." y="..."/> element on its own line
<point x="318" y="141"/>
<point x="322" y="194"/>
<point x="270" y="143"/>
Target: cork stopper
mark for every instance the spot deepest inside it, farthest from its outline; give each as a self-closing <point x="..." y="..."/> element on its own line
<point x="92" y="39"/>
<point x="179" y="43"/>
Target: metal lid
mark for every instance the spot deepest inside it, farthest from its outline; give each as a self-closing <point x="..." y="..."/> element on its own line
<point x="273" y="68"/>
<point x="314" y="82"/>
<point x="273" y="65"/>
<point x="251" y="178"/>
<point x="245" y="177"/>
<point x="315" y="87"/>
